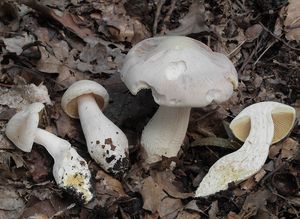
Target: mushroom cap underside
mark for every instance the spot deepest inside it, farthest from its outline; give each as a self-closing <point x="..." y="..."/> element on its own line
<point x="283" y="117"/>
<point x="21" y="128"/>
<point x="181" y="72"/>
<point x="69" y="99"/>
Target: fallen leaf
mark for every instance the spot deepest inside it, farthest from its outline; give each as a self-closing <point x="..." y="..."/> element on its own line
<point x="254" y="202"/>
<point x="48" y="63"/>
<point x="11" y="205"/>
<point x="193" y="22"/>
<point x="9" y="17"/>
<point x="292" y="21"/>
<point x="165" y="179"/>
<point x="285" y="183"/>
<point x="188" y="215"/>
<point x="156" y="200"/>
<point x="16" y="44"/>
<point x="68" y="20"/>
<point x="290" y="149"/>
<point x="21" y="95"/>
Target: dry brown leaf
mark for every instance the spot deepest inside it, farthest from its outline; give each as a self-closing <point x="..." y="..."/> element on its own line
<point x="21" y="95"/>
<point x="9" y="17"/>
<point x="165" y="179"/>
<point x="292" y="21"/>
<point x="16" y="44"/>
<point x="290" y="148"/>
<point x="254" y="202"/>
<point x="110" y="183"/>
<point x="68" y="20"/>
<point x="11" y="205"/>
<point x="193" y="22"/>
<point x="188" y="215"/>
<point x="48" y="63"/>
<point x="156" y="200"/>
<point x="121" y="26"/>
<point x="108" y="191"/>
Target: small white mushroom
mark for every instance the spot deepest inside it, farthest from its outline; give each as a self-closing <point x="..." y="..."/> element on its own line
<point x="259" y="125"/>
<point x="182" y="73"/>
<point x="70" y="170"/>
<point x="106" y="142"/>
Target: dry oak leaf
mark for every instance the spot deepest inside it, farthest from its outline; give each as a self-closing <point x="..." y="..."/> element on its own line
<point x="156" y="200"/>
<point x="292" y="21"/>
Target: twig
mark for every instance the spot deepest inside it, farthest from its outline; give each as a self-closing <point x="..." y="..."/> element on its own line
<point x="158" y="10"/>
<point x="278" y="38"/>
<point x="250" y="57"/>
<point x="63" y="211"/>
<point x="261" y="55"/>
<point x="168" y="15"/>
<point x="235" y="49"/>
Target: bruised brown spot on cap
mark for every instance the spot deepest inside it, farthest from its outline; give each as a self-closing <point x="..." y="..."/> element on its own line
<point x="97" y="142"/>
<point x="103" y="146"/>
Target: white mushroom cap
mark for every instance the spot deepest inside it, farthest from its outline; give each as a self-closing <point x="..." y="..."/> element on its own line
<point x="180" y="71"/>
<point x="69" y="99"/>
<point x="22" y="127"/>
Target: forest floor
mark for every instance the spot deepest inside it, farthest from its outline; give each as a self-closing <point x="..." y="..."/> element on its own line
<point x="45" y="46"/>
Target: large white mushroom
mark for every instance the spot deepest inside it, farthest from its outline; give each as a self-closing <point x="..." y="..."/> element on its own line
<point x="70" y="170"/>
<point x="182" y="73"/>
<point x="259" y="125"/>
<point x="106" y="142"/>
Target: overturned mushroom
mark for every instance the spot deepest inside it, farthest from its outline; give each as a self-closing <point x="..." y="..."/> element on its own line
<point x="70" y="170"/>
<point x="182" y="73"/>
<point x="106" y="143"/>
<point x="259" y="125"/>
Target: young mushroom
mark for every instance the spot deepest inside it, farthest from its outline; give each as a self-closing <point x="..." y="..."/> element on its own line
<point x="259" y="125"/>
<point x="182" y="73"/>
<point x="70" y="170"/>
<point x="106" y="142"/>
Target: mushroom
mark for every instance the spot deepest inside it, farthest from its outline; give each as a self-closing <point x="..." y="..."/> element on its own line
<point x="70" y="170"/>
<point x="259" y="126"/>
<point x="182" y="73"/>
<point x="106" y="142"/>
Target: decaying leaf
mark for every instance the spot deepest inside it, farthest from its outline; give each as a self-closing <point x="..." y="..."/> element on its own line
<point x="156" y="200"/>
<point x="68" y="20"/>
<point x="254" y="202"/>
<point x="292" y="21"/>
<point x="121" y="26"/>
<point x="16" y="44"/>
<point x="9" y="17"/>
<point x="193" y="22"/>
<point x="290" y="149"/>
<point x="21" y="95"/>
<point x="11" y="205"/>
<point x="217" y="142"/>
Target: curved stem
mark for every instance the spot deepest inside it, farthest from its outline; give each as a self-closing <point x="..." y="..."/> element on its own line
<point x="165" y="132"/>
<point x="54" y="145"/>
<point x="244" y="162"/>
<point x="106" y="143"/>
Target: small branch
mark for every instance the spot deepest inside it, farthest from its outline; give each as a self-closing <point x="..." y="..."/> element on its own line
<point x="278" y="38"/>
<point x="157" y="14"/>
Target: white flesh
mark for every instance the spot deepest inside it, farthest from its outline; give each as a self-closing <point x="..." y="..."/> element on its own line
<point x="250" y="158"/>
<point x="165" y="132"/>
<point x="70" y="170"/>
<point x="106" y="142"/>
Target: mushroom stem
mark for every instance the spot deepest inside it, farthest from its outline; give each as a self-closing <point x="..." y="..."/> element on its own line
<point x="105" y="141"/>
<point x="54" y="145"/>
<point x="165" y="132"/>
<point x="244" y="162"/>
